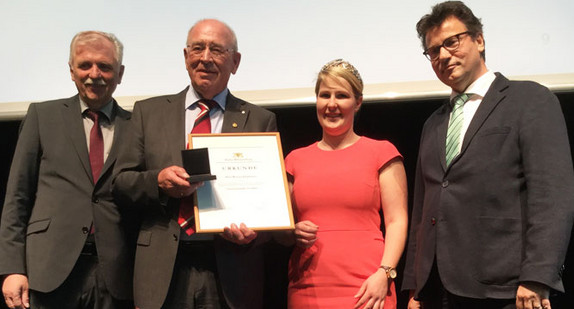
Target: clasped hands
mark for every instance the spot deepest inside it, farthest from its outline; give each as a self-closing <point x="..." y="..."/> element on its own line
<point x="174" y="182"/>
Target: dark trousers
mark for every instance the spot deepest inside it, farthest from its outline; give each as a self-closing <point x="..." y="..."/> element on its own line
<point x="435" y="296"/>
<point x="194" y="283"/>
<point x="83" y="289"/>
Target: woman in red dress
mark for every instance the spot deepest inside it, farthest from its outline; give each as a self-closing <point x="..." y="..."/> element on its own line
<point x="338" y="187"/>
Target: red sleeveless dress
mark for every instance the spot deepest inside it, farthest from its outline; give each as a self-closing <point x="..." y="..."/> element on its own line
<point x="338" y="191"/>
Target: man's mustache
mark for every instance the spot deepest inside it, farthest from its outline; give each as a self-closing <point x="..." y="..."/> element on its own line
<point x="96" y="82"/>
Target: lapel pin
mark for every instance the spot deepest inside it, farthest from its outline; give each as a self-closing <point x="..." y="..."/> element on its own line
<point x="234" y="125"/>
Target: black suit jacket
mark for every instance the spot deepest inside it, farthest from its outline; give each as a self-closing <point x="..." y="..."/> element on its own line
<point x="51" y="202"/>
<point x="158" y="136"/>
<point x="501" y="213"/>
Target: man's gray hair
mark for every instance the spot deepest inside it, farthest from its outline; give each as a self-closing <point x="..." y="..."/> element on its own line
<point x="87" y="36"/>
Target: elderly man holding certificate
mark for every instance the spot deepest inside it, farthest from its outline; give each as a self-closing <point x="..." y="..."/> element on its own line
<point x="174" y="269"/>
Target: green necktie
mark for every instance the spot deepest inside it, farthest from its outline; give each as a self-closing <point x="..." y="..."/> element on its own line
<point x="455" y="127"/>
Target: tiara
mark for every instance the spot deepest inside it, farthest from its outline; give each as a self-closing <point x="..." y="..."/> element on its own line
<point x="342" y="64"/>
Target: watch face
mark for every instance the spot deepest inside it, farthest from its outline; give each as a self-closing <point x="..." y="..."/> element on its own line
<point x="392" y="273"/>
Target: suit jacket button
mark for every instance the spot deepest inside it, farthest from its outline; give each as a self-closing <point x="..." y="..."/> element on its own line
<point x="445" y="184"/>
<point x="174" y="237"/>
<point x="85" y="230"/>
<point x="433" y="220"/>
<point x="95" y="200"/>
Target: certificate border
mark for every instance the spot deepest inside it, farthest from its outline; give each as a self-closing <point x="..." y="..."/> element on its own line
<point x="197" y="216"/>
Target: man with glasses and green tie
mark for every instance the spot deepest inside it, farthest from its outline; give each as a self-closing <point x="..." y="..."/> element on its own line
<point x="176" y="268"/>
<point x="494" y="187"/>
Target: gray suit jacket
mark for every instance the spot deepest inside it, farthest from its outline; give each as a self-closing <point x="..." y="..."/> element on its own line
<point x="501" y="213"/>
<point x="51" y="202"/>
<point x="156" y="142"/>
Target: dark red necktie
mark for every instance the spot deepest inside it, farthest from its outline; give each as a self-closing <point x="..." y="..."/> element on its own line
<point x="96" y="145"/>
<point x="202" y="124"/>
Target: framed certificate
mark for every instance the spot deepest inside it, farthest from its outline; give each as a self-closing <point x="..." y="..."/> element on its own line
<point x="251" y="185"/>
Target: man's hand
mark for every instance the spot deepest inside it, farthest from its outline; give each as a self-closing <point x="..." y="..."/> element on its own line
<point x="15" y="290"/>
<point x="413" y="303"/>
<point x="532" y="295"/>
<point x="173" y="181"/>
<point x="241" y="235"/>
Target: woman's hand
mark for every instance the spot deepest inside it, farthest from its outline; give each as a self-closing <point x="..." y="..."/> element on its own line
<point x="373" y="291"/>
<point x="305" y="233"/>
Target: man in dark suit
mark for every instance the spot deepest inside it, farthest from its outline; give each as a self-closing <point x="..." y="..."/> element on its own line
<point x="173" y="269"/>
<point x="63" y="242"/>
<point x="493" y="200"/>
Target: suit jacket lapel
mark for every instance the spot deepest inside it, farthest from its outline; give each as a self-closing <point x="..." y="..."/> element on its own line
<point x="494" y="95"/>
<point x="235" y="115"/>
<point x="72" y="119"/>
<point x="440" y="133"/>
<point x="173" y="118"/>
<point x="120" y="120"/>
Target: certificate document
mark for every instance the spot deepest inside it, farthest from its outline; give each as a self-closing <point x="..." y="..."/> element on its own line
<point x="251" y="185"/>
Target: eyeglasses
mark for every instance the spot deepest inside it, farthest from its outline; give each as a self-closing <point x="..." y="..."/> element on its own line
<point x="450" y="44"/>
<point x="216" y="51"/>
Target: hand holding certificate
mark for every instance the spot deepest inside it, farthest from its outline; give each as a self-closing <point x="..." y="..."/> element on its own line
<point x="251" y="185"/>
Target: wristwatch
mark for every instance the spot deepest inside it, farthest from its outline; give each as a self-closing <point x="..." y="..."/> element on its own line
<point x="391" y="272"/>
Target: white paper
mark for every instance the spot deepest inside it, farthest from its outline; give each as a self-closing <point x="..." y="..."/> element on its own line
<point x="250" y="187"/>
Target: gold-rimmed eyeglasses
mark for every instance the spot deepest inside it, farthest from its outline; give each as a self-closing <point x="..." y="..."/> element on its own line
<point x="216" y="51"/>
<point x="450" y="44"/>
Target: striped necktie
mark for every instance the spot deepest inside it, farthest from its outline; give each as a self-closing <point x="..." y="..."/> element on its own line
<point x="455" y="127"/>
<point x="202" y="124"/>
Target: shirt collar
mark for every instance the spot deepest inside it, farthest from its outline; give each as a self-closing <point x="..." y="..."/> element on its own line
<point x="478" y="87"/>
<point x="106" y="109"/>
<point x="192" y="97"/>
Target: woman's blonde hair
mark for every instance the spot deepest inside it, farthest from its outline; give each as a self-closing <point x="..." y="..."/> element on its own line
<point x="345" y="70"/>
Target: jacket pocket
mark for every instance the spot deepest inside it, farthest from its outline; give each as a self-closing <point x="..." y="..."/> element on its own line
<point x="499" y="251"/>
<point x="39" y="226"/>
<point x="492" y="145"/>
<point x="493" y="130"/>
<point x="144" y="238"/>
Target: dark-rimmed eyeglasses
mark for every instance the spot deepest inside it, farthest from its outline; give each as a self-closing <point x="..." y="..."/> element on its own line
<point x="216" y="51"/>
<point x="450" y="44"/>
